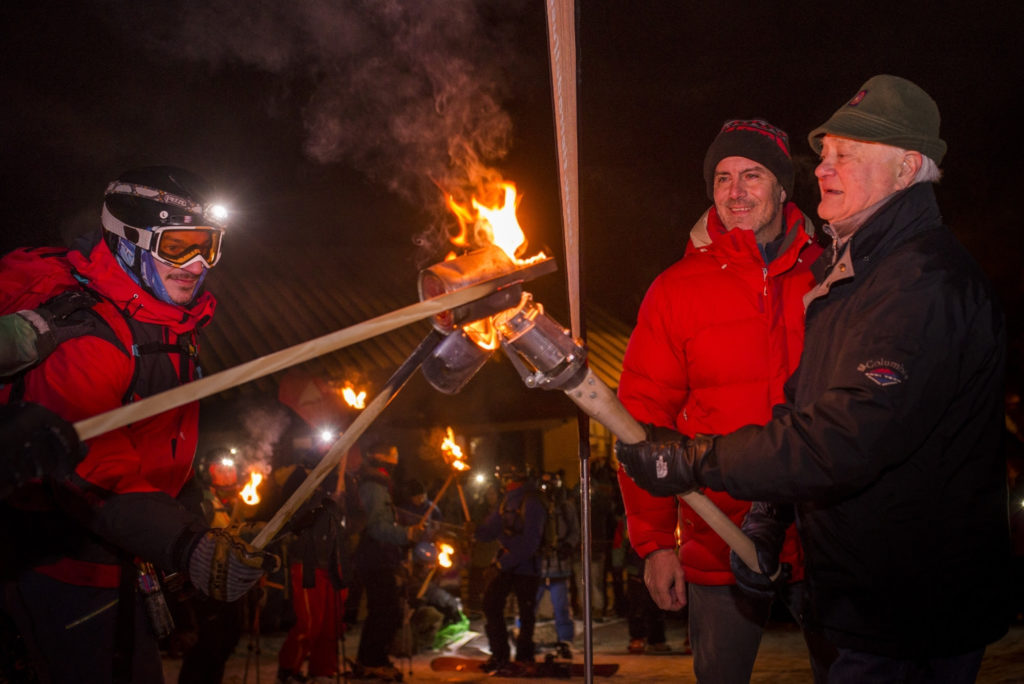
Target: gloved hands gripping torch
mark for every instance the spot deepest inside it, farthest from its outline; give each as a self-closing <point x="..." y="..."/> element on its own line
<point x="666" y="463"/>
<point x="224" y="566"/>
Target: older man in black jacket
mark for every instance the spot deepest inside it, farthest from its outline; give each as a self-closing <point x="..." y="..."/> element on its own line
<point x="889" y="441"/>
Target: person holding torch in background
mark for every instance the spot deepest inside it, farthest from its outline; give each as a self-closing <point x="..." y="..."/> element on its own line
<point x="378" y="561"/>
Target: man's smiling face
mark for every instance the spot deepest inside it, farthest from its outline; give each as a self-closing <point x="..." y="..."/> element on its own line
<point x="749" y="197"/>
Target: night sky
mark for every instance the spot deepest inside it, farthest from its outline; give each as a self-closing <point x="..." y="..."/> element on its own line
<point x="337" y="122"/>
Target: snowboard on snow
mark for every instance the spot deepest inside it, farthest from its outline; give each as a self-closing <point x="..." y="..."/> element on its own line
<point x="549" y="667"/>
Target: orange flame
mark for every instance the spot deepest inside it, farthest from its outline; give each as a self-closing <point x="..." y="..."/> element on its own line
<point x="453" y="452"/>
<point x="356" y="400"/>
<point x="444" y="555"/>
<point x="497" y="225"/>
<point x="483" y="334"/>
<point x="249" y="494"/>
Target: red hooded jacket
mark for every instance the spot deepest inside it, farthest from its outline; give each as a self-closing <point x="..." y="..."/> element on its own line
<point x="717" y="336"/>
<point x="150" y="459"/>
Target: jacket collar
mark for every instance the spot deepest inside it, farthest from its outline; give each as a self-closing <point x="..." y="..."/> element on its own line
<point x="906" y="214"/>
<point x="709" y="233"/>
<point x="96" y="267"/>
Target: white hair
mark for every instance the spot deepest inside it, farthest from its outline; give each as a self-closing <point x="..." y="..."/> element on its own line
<point x="929" y="171"/>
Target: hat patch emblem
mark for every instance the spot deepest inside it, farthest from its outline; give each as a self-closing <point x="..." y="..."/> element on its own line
<point x="857" y="99"/>
<point x="883" y="373"/>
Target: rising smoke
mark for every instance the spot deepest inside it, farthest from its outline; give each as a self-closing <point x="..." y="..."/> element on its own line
<point x="264" y="426"/>
<point x="410" y="93"/>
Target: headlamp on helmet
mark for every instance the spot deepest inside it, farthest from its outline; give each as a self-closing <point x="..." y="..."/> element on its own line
<point x="176" y="230"/>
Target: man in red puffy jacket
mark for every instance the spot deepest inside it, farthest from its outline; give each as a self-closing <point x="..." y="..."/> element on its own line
<point x="717" y="335"/>
<point x="84" y="591"/>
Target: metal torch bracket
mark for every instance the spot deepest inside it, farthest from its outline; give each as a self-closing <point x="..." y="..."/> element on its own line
<point x="489" y="264"/>
<point x="543" y="352"/>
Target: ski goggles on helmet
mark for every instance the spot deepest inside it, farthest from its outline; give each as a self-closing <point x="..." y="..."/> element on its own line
<point x="181" y="247"/>
<point x="175" y="245"/>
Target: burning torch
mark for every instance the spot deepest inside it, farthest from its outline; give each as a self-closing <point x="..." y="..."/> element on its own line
<point x="544" y="354"/>
<point x="490" y="299"/>
<point x="437" y="555"/>
<point x="453" y="456"/>
<point x="248" y="496"/>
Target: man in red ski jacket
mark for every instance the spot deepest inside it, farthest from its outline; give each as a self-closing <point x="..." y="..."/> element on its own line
<point x="718" y="334"/>
<point x="84" y="597"/>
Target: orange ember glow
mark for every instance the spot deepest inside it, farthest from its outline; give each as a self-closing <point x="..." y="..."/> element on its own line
<point x="453" y="452"/>
<point x="483" y="334"/>
<point x="356" y="400"/>
<point x="444" y="555"/>
<point x="249" y="494"/>
<point x="496" y="225"/>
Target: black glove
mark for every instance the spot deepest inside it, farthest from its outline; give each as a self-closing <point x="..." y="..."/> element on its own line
<point x="766" y="525"/>
<point x="37" y="443"/>
<point x="666" y="468"/>
<point x="225" y="567"/>
<point x="54" y="321"/>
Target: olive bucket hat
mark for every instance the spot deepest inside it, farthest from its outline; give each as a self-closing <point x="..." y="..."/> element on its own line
<point x="890" y="110"/>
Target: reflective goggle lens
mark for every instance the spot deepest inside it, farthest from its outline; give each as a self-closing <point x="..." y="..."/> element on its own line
<point x="181" y="246"/>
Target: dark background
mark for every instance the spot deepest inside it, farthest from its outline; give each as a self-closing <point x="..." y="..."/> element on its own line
<point x="332" y="124"/>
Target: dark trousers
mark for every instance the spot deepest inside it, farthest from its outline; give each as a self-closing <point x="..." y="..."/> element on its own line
<point x="646" y="620"/>
<point x="71" y="632"/>
<point x="383" y="617"/>
<point x="857" y="666"/>
<point x="725" y="631"/>
<point x="525" y="588"/>
<point x="218" y="629"/>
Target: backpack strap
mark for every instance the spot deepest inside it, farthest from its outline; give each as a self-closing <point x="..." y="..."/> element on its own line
<point x="86" y="312"/>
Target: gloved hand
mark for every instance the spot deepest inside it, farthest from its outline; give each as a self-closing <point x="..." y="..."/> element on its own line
<point x="224" y="567"/>
<point x="250" y="530"/>
<point x="37" y="443"/>
<point x="766" y="525"/>
<point x="666" y="468"/>
<point x="54" y="323"/>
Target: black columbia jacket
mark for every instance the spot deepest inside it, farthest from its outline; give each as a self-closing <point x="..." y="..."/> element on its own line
<point x="890" y="442"/>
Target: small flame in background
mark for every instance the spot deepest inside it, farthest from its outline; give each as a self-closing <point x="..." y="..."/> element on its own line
<point x="444" y="555"/>
<point x="249" y="494"/>
<point x="356" y="400"/>
<point x="452" y="452"/>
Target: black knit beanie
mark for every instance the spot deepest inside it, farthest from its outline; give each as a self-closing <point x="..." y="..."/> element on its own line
<point x="754" y="139"/>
